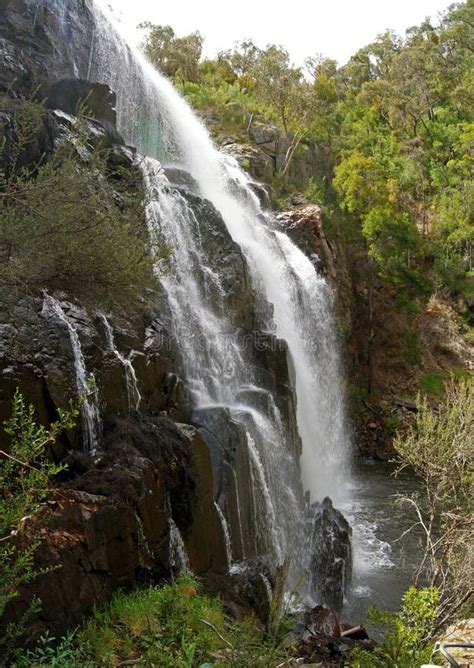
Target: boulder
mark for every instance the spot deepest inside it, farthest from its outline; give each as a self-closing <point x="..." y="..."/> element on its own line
<point x="330" y="565"/>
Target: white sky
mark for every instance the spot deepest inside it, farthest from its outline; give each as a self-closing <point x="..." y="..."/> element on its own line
<point x="335" y="28"/>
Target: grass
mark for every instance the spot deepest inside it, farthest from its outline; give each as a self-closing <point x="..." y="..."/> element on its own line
<point x="173" y="626"/>
<point x="432" y="384"/>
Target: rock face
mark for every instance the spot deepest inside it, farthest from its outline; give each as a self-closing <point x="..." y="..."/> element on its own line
<point x="109" y="526"/>
<point x="37" y="46"/>
<point x="304" y="225"/>
<point x="263" y="154"/>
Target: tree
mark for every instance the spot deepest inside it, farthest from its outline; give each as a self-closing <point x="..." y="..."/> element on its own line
<point x="242" y="58"/>
<point x="281" y="85"/>
<point x="278" y="83"/>
<point x="439" y="448"/>
<point x="177" y="57"/>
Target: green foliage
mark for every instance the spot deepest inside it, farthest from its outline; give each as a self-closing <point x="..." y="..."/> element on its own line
<point x="50" y="653"/>
<point x="25" y="482"/>
<point x="73" y="220"/>
<point x="406" y="637"/>
<point x="391" y="424"/>
<point x="411" y="352"/>
<point x="175" y="626"/>
<point x="176" y="57"/>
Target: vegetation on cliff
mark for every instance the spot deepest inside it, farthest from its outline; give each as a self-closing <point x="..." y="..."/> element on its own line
<point x="71" y="211"/>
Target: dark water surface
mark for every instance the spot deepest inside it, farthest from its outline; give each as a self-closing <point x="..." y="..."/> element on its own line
<point x="383" y="565"/>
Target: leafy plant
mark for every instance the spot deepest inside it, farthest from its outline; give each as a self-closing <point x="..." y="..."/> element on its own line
<point x="50" y="653"/>
<point x="25" y="482"/>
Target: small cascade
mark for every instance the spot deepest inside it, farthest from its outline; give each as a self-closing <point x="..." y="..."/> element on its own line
<point x="133" y="393"/>
<point x="90" y="409"/>
<point x="265" y="520"/>
<point x="177" y="550"/>
<point x="144" y="550"/>
<point x="225" y="530"/>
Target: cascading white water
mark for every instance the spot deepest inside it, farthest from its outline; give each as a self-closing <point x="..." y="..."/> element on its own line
<point x="90" y="410"/>
<point x="216" y="367"/>
<point x="179" y="560"/>
<point x="153" y="117"/>
<point x="133" y="393"/>
<point x="225" y="529"/>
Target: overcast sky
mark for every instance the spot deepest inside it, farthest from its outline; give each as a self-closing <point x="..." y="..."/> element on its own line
<point x="335" y="28"/>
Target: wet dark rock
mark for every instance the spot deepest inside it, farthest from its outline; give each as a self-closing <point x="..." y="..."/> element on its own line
<point x="111" y="526"/>
<point x="322" y="619"/>
<point x="331" y="562"/>
<point x="69" y="95"/>
<point x="232" y="490"/>
<point x="38" y="46"/>
<point x="182" y="180"/>
<point x="246" y="589"/>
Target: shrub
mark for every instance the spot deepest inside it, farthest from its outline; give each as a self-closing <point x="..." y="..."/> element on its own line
<point x="74" y="221"/>
<point x="432" y="384"/>
<point x="173" y="626"/>
<point x="438" y="447"/>
<point x="25" y="482"/>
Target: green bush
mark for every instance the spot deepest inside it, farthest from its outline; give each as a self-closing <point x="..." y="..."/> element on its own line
<point x="438" y="448"/>
<point x="411" y="352"/>
<point x="432" y="384"/>
<point x="74" y="221"/>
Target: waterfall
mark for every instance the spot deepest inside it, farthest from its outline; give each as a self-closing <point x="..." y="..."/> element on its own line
<point x="216" y="366"/>
<point x="90" y="409"/>
<point x="153" y="116"/>
<point x="133" y="393"/>
<point x="295" y="301"/>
